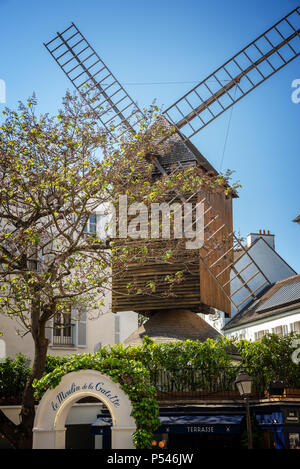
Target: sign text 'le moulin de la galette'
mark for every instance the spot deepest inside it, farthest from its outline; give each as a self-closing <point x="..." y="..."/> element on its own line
<point x="98" y="387"/>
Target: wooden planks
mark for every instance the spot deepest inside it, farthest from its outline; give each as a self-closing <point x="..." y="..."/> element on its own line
<point x="222" y="242"/>
<point x="132" y="289"/>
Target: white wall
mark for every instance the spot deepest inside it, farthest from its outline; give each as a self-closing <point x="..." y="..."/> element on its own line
<point x="14" y="343"/>
<point x="248" y="331"/>
<point x="216" y="320"/>
<point x="128" y="324"/>
<point x="100" y="329"/>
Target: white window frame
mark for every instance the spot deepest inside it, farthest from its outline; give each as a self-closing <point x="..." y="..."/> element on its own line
<point x="258" y="335"/>
<point x="76" y="323"/>
<point x="89" y="224"/>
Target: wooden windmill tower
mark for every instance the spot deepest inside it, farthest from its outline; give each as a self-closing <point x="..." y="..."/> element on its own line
<point x="208" y="282"/>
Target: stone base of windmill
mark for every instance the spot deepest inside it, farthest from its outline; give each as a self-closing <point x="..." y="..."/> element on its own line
<point x="173" y="325"/>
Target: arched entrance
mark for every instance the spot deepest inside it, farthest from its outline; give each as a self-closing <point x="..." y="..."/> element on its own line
<point x="49" y="425"/>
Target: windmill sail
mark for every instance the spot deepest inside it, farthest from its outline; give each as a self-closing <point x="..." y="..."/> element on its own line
<point x="228" y="283"/>
<point x="247" y="69"/>
<point x="237" y="281"/>
<point x="94" y="81"/>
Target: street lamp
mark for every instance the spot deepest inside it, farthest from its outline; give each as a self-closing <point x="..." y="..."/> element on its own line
<point x="243" y="383"/>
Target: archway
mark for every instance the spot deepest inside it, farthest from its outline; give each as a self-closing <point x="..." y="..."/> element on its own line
<point x="49" y="425"/>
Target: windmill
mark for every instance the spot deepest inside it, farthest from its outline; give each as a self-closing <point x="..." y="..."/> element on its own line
<point x="215" y="282"/>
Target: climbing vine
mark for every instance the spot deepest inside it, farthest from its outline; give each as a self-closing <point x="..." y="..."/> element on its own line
<point x="207" y="366"/>
<point x="133" y="379"/>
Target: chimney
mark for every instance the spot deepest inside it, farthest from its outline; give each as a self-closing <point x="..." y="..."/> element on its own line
<point x="267" y="236"/>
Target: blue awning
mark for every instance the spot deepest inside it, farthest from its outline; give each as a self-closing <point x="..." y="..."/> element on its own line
<point x="201" y="419"/>
<point x="273" y="418"/>
<point x="182" y="424"/>
<point x="183" y="420"/>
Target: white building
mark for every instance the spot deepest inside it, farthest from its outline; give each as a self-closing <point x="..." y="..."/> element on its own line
<point x="69" y="333"/>
<point x="276" y="311"/>
<point x="277" y="286"/>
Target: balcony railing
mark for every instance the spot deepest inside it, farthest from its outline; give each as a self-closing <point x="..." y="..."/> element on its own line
<point x="63" y="336"/>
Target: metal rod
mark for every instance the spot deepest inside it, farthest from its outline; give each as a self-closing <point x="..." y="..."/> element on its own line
<point x="248" y="419"/>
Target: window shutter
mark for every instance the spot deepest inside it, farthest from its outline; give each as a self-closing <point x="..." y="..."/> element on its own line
<point x="2" y="349"/>
<point x="117" y="329"/>
<point x="81" y="329"/>
<point x="297" y="327"/>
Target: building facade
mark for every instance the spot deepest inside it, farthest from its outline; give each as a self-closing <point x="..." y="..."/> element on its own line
<point x="70" y="332"/>
<point x="276" y="311"/>
<point x="261" y="248"/>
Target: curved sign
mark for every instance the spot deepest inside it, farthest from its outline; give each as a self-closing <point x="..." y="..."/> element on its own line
<point x="49" y="425"/>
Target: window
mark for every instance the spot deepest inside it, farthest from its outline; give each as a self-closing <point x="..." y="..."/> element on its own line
<point x="35" y="258"/>
<point x="68" y="328"/>
<point x="294" y="440"/>
<point x="285" y="329"/>
<point x="240" y="335"/>
<point x="259" y="335"/>
<point x="295" y="327"/>
<point x="91" y="226"/>
<point x="280" y="330"/>
<point x="63" y="329"/>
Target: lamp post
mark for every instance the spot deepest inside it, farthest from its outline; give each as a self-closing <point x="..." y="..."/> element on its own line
<point x="243" y="383"/>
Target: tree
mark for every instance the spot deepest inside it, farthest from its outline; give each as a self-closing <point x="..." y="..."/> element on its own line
<point x="55" y="172"/>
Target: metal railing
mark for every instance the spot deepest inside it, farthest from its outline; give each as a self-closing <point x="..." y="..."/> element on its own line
<point x="201" y="383"/>
<point x="63" y="336"/>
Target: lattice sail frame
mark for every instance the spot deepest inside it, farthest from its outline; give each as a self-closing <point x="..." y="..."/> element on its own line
<point x="94" y="81"/>
<point x="247" y="69"/>
<point x="245" y="280"/>
<point x="115" y="109"/>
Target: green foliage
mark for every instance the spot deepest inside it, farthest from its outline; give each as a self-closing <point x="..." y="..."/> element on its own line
<point x="196" y="365"/>
<point x="133" y="378"/>
<point x="54" y="361"/>
<point x="270" y="359"/>
<point x="193" y="364"/>
<point x="13" y="376"/>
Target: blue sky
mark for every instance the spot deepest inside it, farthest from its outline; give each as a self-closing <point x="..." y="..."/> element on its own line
<point x="171" y="41"/>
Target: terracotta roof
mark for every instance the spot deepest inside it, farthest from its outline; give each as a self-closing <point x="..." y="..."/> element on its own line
<point x="283" y="294"/>
<point x="173" y="325"/>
